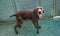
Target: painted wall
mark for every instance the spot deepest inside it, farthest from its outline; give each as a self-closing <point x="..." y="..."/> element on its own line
<point x="7" y="8"/>
<point x="57" y="7"/>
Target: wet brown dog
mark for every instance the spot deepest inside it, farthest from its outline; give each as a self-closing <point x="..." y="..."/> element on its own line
<point x="33" y="15"/>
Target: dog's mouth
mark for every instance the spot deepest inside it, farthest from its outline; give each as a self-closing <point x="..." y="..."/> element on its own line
<point x="39" y="12"/>
<point x="40" y="15"/>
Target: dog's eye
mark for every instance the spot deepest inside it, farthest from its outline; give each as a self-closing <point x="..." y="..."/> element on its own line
<point x="39" y="12"/>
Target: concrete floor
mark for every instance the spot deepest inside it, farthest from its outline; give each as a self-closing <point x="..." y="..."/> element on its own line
<point x="49" y="28"/>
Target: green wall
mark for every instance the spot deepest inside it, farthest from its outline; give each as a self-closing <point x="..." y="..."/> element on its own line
<point x="7" y="7"/>
<point x="58" y="7"/>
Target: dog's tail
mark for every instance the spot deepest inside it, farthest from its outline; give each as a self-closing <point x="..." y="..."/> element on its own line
<point x="12" y="15"/>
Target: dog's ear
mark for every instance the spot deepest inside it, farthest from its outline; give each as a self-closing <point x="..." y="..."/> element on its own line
<point x="35" y="11"/>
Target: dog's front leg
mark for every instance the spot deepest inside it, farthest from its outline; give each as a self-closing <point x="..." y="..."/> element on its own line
<point x="38" y="24"/>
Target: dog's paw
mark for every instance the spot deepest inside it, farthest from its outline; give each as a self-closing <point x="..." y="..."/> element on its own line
<point x="39" y="26"/>
<point x="16" y="32"/>
<point x="37" y="32"/>
<point x="19" y="26"/>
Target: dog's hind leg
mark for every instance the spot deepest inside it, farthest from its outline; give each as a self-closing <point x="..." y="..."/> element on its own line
<point x="19" y="23"/>
<point x="15" y="28"/>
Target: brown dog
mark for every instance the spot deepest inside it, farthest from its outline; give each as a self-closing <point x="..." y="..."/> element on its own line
<point x="33" y="15"/>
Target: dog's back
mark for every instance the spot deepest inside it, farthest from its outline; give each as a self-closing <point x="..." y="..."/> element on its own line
<point x="26" y="14"/>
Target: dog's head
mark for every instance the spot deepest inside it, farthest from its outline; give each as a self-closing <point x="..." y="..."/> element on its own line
<point x="38" y="11"/>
